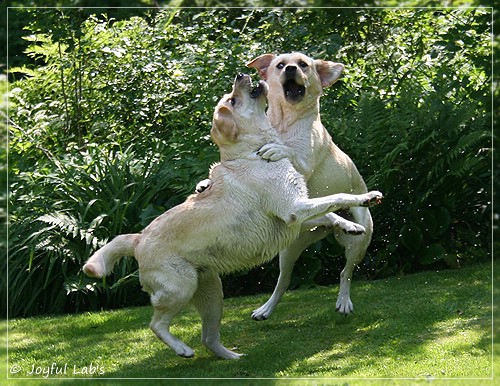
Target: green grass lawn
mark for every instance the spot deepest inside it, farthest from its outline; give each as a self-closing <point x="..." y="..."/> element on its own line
<point x="433" y="326"/>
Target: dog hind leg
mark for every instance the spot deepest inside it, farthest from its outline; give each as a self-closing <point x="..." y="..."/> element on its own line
<point x="208" y="301"/>
<point x="171" y="288"/>
<point x="287" y="260"/>
<point x="355" y="249"/>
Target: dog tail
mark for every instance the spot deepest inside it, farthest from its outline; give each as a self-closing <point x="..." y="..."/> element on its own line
<point x="101" y="263"/>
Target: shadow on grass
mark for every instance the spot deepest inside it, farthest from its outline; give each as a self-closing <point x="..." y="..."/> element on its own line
<point x="397" y="319"/>
<point x="397" y="322"/>
<point x="67" y="338"/>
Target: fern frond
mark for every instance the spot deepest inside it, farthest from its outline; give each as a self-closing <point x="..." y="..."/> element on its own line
<point x="62" y="221"/>
<point x="70" y="226"/>
<point x="472" y="139"/>
<point x="462" y="153"/>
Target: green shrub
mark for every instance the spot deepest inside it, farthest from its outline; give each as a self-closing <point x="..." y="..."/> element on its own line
<point x="111" y="127"/>
<point x="425" y="137"/>
<point x="66" y="213"/>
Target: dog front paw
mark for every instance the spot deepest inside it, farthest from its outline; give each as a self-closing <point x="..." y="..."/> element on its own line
<point x="203" y="185"/>
<point x="351" y="228"/>
<point x="346" y="226"/>
<point x="373" y="198"/>
<point x="274" y="152"/>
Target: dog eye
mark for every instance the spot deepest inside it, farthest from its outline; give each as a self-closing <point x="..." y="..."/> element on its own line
<point x="232" y="101"/>
<point x="280" y="65"/>
<point x="303" y="64"/>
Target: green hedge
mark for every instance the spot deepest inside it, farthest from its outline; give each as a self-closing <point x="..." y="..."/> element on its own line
<point x="110" y="127"/>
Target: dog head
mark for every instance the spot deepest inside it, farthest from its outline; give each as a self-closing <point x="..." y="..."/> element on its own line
<point x="296" y="77"/>
<point x="240" y="122"/>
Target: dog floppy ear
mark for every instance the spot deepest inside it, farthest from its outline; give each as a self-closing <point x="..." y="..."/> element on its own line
<point x="328" y="72"/>
<point x="262" y="63"/>
<point x="224" y="130"/>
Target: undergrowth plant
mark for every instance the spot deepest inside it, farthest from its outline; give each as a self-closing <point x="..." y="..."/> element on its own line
<point x="94" y="196"/>
<point x="110" y="121"/>
<point x="418" y="126"/>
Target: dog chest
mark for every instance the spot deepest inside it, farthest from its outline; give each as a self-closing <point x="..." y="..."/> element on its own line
<point x="250" y="241"/>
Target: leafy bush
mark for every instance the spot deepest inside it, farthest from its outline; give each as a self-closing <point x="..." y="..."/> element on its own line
<point x="111" y="128"/>
<point x="426" y="137"/>
<point x="3" y="194"/>
<point x="66" y="213"/>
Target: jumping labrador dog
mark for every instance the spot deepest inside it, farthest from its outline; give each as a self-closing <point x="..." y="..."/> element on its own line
<point x="251" y="210"/>
<point x="296" y="83"/>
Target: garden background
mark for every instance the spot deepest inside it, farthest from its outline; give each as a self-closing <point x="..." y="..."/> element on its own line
<point x="109" y="119"/>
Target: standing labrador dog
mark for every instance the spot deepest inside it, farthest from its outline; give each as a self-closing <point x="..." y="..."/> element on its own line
<point x="296" y="83"/>
<point x="252" y="209"/>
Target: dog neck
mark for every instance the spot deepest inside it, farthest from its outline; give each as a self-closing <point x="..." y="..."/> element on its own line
<point x="247" y="145"/>
<point x="284" y="116"/>
<point x="250" y="156"/>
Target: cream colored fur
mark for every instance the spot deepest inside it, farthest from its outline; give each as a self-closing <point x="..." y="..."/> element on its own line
<point x="295" y="113"/>
<point x="251" y="209"/>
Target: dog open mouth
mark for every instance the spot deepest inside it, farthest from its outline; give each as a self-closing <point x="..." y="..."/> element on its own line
<point x="294" y="92"/>
<point x="244" y="81"/>
<point x="258" y="90"/>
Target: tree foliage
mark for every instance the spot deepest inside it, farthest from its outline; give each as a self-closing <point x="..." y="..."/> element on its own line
<point x="110" y="127"/>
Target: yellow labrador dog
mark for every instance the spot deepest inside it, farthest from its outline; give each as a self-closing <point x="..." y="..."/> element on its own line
<point x="296" y="83"/>
<point x="252" y="209"/>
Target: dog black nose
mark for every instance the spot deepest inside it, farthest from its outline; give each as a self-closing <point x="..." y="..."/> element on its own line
<point x="240" y="75"/>
<point x="291" y="69"/>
